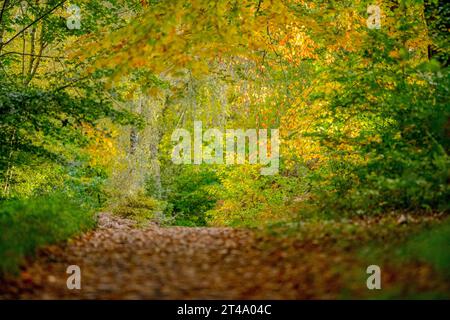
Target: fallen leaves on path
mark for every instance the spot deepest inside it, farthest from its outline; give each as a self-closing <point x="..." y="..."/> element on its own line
<point x="120" y="261"/>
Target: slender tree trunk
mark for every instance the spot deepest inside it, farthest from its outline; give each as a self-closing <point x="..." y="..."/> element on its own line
<point x="134" y="133"/>
<point x="9" y="167"/>
<point x="2" y="29"/>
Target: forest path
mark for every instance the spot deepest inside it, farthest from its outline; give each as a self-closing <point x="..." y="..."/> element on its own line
<point x="119" y="261"/>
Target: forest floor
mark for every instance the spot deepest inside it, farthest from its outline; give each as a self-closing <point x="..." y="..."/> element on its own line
<point x="119" y="260"/>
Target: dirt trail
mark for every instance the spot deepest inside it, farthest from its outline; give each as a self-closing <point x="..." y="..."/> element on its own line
<point x="120" y="261"/>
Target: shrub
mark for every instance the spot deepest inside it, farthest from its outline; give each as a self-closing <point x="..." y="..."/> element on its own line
<point x="138" y="207"/>
<point x="394" y="155"/>
<point x="430" y="246"/>
<point x="249" y="199"/>
<point x="26" y="225"/>
<point x="188" y="194"/>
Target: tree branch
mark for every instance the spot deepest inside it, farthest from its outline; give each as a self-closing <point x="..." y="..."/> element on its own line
<point x="5" y="3"/>
<point x="32" y="23"/>
<point x="29" y="54"/>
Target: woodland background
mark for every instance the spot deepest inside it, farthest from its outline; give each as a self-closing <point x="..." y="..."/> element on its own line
<point x="86" y="117"/>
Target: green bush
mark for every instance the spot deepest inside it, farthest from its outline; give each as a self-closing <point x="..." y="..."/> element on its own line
<point x="249" y="199"/>
<point x="431" y="246"/>
<point x="139" y="207"/>
<point x="396" y="155"/>
<point x="26" y="225"/>
<point x="188" y="194"/>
